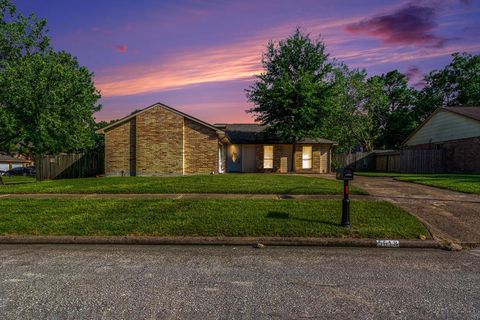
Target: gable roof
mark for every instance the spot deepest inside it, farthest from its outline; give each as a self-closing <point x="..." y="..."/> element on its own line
<point x="158" y="104"/>
<point x="244" y="133"/>
<point x="469" y="112"/>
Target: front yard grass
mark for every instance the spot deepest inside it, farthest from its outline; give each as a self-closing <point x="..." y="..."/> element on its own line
<point x="17" y="179"/>
<point x="220" y="183"/>
<point x="468" y="183"/>
<point x="226" y="217"/>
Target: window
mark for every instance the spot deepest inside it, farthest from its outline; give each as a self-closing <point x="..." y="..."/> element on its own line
<point x="268" y="157"/>
<point x="307" y="157"/>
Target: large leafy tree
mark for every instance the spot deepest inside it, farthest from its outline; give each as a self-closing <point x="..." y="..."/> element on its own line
<point x="294" y="95"/>
<point x="50" y="100"/>
<point x="345" y="122"/>
<point x="47" y="99"/>
<point x="20" y="35"/>
<point x="359" y="106"/>
<point x="398" y="119"/>
<point x="458" y="84"/>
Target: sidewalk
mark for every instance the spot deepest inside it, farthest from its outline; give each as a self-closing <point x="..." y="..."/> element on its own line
<point x="189" y="196"/>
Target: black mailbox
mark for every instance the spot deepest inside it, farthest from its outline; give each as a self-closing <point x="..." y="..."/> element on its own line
<point x="345" y="174"/>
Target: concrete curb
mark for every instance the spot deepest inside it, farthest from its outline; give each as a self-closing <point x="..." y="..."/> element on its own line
<point x="230" y="241"/>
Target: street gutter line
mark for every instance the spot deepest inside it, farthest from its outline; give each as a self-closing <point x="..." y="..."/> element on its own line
<point x="230" y="241"/>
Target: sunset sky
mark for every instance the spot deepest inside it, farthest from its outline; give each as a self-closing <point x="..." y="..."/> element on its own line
<point x="199" y="56"/>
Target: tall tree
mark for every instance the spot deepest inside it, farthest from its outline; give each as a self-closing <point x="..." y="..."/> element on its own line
<point x="458" y="84"/>
<point x="398" y="120"/>
<point x="345" y="121"/>
<point x="359" y="105"/>
<point x="293" y="96"/>
<point x="50" y="100"/>
<point x="20" y="35"/>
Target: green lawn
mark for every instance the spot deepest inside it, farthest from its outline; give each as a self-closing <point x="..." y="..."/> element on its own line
<point x="223" y="183"/>
<point x="226" y="217"/>
<point x="17" y="180"/>
<point x="469" y="183"/>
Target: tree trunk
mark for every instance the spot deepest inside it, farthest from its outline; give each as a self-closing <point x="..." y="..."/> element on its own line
<point x="1" y="181"/>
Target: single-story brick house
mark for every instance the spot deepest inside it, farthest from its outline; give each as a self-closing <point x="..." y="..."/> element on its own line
<point x="160" y="140"/>
<point x="456" y="131"/>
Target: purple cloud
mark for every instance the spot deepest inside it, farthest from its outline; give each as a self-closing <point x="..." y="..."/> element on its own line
<point x="412" y="24"/>
<point x="413" y="72"/>
<point x="415" y="76"/>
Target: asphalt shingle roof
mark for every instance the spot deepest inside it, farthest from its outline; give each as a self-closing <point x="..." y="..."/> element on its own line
<point x="470" y="112"/>
<point x="7" y="158"/>
<point x="244" y="133"/>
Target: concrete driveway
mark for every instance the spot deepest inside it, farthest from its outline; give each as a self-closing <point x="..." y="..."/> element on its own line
<point x="451" y="216"/>
<point x="207" y="282"/>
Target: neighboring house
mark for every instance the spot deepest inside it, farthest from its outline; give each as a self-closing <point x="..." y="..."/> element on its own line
<point x="160" y="140"/>
<point x="456" y="130"/>
<point x="8" y="162"/>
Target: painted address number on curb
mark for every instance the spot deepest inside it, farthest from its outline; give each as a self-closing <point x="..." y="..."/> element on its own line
<point x="388" y="243"/>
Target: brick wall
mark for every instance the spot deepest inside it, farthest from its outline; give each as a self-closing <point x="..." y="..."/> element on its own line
<point x="279" y="151"/>
<point x="159" y="142"/>
<point x="320" y="158"/>
<point x="259" y="159"/>
<point x="461" y="155"/>
<point x="120" y="149"/>
<point x="200" y="147"/>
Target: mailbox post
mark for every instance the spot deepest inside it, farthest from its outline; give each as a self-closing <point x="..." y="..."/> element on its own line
<point x="345" y="174"/>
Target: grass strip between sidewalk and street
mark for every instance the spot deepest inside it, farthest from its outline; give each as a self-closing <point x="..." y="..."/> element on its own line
<point x="280" y="218"/>
<point x="467" y="183"/>
<point x="219" y="183"/>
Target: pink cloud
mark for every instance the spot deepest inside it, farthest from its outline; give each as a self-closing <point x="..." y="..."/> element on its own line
<point x="234" y="61"/>
<point x="230" y="62"/>
<point x="121" y="48"/>
<point x="413" y="24"/>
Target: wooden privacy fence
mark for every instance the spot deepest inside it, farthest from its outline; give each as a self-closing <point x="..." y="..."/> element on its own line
<point x="388" y="161"/>
<point x="422" y="161"/>
<point x="73" y="165"/>
<point x="407" y="161"/>
<point x="359" y="161"/>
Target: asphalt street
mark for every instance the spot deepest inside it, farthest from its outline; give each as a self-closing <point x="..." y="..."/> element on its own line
<point x="208" y="282"/>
